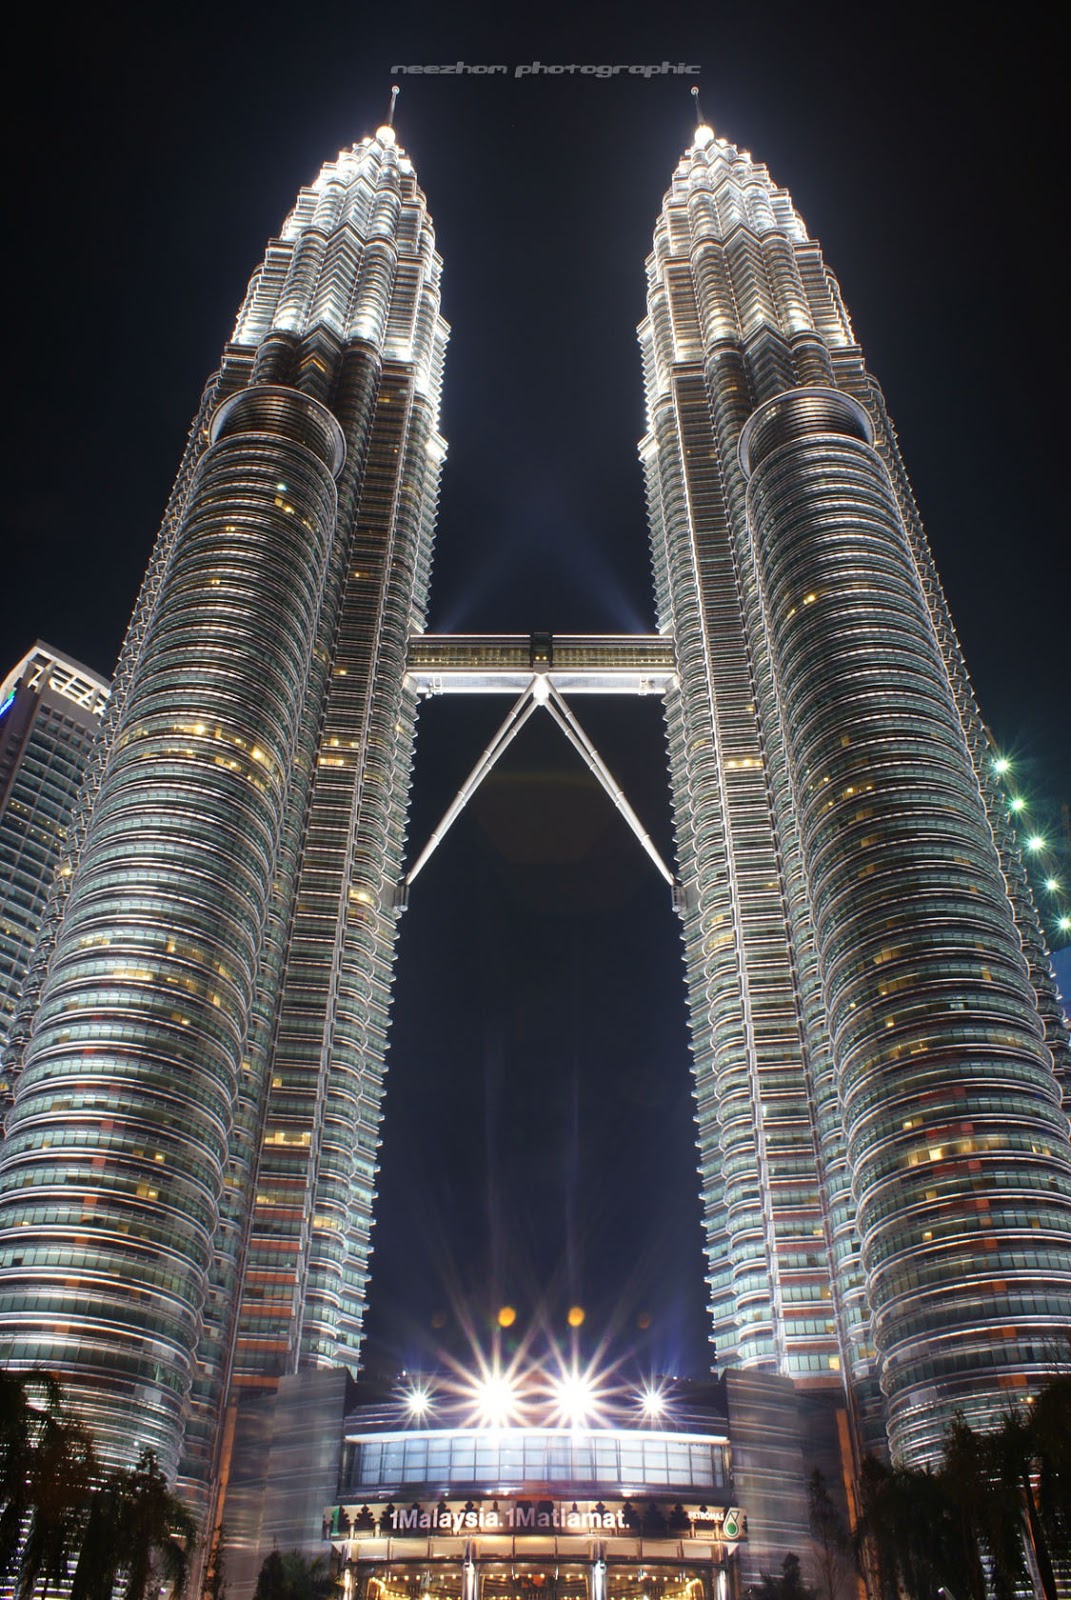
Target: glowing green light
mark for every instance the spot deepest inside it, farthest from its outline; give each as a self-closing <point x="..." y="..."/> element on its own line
<point x="1052" y="884"/>
<point x="1001" y="764"/>
<point x="1018" y="802"/>
<point x="1035" y="842"/>
<point x="1064" y="924"/>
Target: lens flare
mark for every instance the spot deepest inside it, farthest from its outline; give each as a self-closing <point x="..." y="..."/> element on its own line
<point x="496" y="1400"/>
<point x="652" y="1398"/>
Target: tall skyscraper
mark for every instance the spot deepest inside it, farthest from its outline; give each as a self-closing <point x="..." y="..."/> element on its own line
<point x="878" y="1045"/>
<point x="50" y="711"/>
<point x="188" y="1173"/>
<point x="187" y="1184"/>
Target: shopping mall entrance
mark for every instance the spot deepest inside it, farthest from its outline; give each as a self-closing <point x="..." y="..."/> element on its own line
<point x="536" y="1580"/>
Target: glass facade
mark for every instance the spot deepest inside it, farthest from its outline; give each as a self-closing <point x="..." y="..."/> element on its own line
<point x="605" y="1458"/>
<point x="878" y="1046"/>
<point x="539" y="1578"/>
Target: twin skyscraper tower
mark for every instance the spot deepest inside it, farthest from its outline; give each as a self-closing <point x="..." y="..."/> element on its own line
<point x="188" y="1177"/>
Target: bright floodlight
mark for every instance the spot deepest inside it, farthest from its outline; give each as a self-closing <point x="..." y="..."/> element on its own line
<point x="496" y="1400"/>
<point x="574" y="1398"/>
<point x="1035" y="842"/>
<point x="1017" y="802"/>
<point x="1064" y="924"/>
<point x="1001" y="764"/>
<point x="417" y="1400"/>
<point x="1052" y="884"/>
<point x="652" y="1402"/>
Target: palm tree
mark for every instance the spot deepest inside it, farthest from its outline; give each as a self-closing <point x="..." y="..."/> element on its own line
<point x="1050" y="1432"/>
<point x="911" y="1538"/>
<point x="901" y="1532"/>
<point x="1013" y="1451"/>
<point x="160" y="1532"/>
<point x="97" y="1571"/>
<point x="985" y="1500"/>
<point x="16" y="1444"/>
<point x="61" y="1476"/>
<point x="46" y="1473"/>
<point x="993" y="1520"/>
<point x="137" y="1533"/>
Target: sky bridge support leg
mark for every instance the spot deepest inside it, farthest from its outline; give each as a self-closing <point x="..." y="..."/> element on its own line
<point x="520" y="712"/>
<point x="539" y="692"/>
<point x="564" y="717"/>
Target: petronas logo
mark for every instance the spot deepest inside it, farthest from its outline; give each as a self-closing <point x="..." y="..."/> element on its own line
<point x="730" y="1525"/>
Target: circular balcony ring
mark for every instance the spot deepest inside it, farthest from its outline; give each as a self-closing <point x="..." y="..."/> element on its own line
<point x="271" y="408"/>
<point x="797" y="413"/>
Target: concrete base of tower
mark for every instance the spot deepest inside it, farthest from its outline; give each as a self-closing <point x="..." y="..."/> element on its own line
<point x="284" y="1469"/>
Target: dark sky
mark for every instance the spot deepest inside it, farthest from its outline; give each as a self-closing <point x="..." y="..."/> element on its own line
<point x="538" y="1144"/>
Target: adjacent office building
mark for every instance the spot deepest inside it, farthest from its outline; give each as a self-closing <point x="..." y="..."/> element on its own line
<point x="50" y="711"/>
<point x="187" y="1184"/>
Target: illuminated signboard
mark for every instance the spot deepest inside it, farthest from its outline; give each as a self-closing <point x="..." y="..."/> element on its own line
<point x="639" y="1518"/>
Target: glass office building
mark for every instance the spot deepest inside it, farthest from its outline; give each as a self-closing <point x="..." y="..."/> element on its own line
<point x="50" y="711"/>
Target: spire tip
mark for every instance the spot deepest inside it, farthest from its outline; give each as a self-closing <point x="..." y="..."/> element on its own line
<point x="704" y="133"/>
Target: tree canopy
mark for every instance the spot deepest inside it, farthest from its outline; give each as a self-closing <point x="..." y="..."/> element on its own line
<point x="65" y="1521"/>
<point x="293" y="1577"/>
<point x="991" y="1520"/>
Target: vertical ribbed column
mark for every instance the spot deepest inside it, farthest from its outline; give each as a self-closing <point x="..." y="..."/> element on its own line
<point x="959" y="1152"/>
<point x="113" y="1167"/>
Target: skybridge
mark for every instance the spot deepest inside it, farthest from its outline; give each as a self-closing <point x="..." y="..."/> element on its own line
<point x="540" y="670"/>
<point x="573" y="663"/>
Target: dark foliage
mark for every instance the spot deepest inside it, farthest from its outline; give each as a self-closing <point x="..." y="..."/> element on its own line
<point x="293" y="1577"/>
<point x="123" y="1533"/>
<point x="995" y="1512"/>
<point x="789" y="1586"/>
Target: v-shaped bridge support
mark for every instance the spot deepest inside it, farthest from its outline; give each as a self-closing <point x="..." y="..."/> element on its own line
<point x="540" y="691"/>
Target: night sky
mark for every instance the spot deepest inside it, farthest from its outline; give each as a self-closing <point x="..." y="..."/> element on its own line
<point x="538" y="1146"/>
